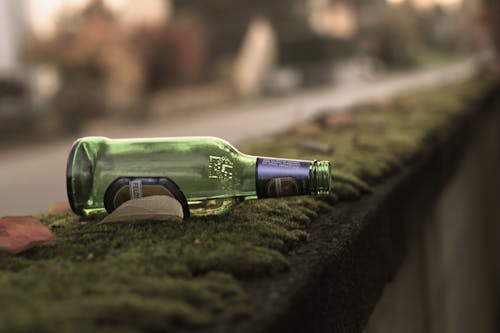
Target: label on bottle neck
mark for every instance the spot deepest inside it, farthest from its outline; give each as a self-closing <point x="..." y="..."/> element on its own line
<point x="280" y="177"/>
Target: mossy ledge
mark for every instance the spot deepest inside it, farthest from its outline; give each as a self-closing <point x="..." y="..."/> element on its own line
<point x="160" y="277"/>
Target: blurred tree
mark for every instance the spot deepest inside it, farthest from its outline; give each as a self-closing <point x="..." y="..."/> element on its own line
<point x="106" y="68"/>
<point x="390" y="34"/>
<point x="439" y="29"/>
<point x="225" y="35"/>
<point x="100" y="70"/>
<point x="171" y="55"/>
<point x="491" y="12"/>
<point x="298" y="45"/>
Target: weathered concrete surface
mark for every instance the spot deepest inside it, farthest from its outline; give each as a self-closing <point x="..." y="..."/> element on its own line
<point x="447" y="282"/>
<point x="338" y="278"/>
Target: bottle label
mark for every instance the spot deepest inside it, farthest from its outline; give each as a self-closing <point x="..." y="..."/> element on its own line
<point x="124" y="189"/>
<point x="280" y="177"/>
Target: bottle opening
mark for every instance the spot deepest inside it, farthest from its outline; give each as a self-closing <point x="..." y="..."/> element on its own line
<point x="79" y="173"/>
<point x="69" y="177"/>
<point x="321" y="179"/>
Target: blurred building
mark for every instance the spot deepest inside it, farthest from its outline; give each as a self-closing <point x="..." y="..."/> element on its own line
<point x="15" y="111"/>
<point x="13" y="28"/>
<point x="116" y="57"/>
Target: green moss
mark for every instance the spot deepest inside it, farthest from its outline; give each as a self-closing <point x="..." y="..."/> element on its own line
<point x="163" y="276"/>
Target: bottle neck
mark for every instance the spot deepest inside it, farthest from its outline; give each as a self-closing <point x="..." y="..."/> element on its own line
<point x="281" y="177"/>
<point x="321" y="178"/>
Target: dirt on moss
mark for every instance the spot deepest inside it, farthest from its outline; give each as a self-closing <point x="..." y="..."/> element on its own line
<point x="163" y="276"/>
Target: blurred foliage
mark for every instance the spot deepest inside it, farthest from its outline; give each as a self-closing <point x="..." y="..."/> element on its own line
<point x="108" y="69"/>
<point x="439" y="29"/>
<point x="399" y="37"/>
<point x="392" y="36"/>
<point x="170" y="56"/>
<point x="490" y="16"/>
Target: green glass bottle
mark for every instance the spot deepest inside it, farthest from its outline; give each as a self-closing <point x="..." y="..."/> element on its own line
<point x="206" y="174"/>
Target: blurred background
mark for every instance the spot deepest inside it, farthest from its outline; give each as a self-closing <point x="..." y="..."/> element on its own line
<point x="235" y="69"/>
<point x="66" y="63"/>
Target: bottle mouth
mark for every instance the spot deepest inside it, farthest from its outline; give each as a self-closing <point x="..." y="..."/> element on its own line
<point x="320" y="173"/>
<point x="69" y="177"/>
<point x="78" y="176"/>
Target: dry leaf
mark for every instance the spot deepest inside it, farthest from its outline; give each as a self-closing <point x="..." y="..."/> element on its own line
<point x="59" y="207"/>
<point x="19" y="233"/>
<point x="342" y="120"/>
<point x="156" y="207"/>
<point x="307" y="130"/>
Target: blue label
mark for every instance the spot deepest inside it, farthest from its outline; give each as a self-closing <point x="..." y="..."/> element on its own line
<point x="280" y="177"/>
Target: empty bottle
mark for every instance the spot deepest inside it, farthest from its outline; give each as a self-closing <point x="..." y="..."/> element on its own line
<point x="207" y="175"/>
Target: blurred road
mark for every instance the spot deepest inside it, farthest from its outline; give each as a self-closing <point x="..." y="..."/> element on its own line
<point x="32" y="178"/>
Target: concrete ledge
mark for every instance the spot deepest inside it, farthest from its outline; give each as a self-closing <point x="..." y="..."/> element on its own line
<point x="270" y="265"/>
<point x="355" y="249"/>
